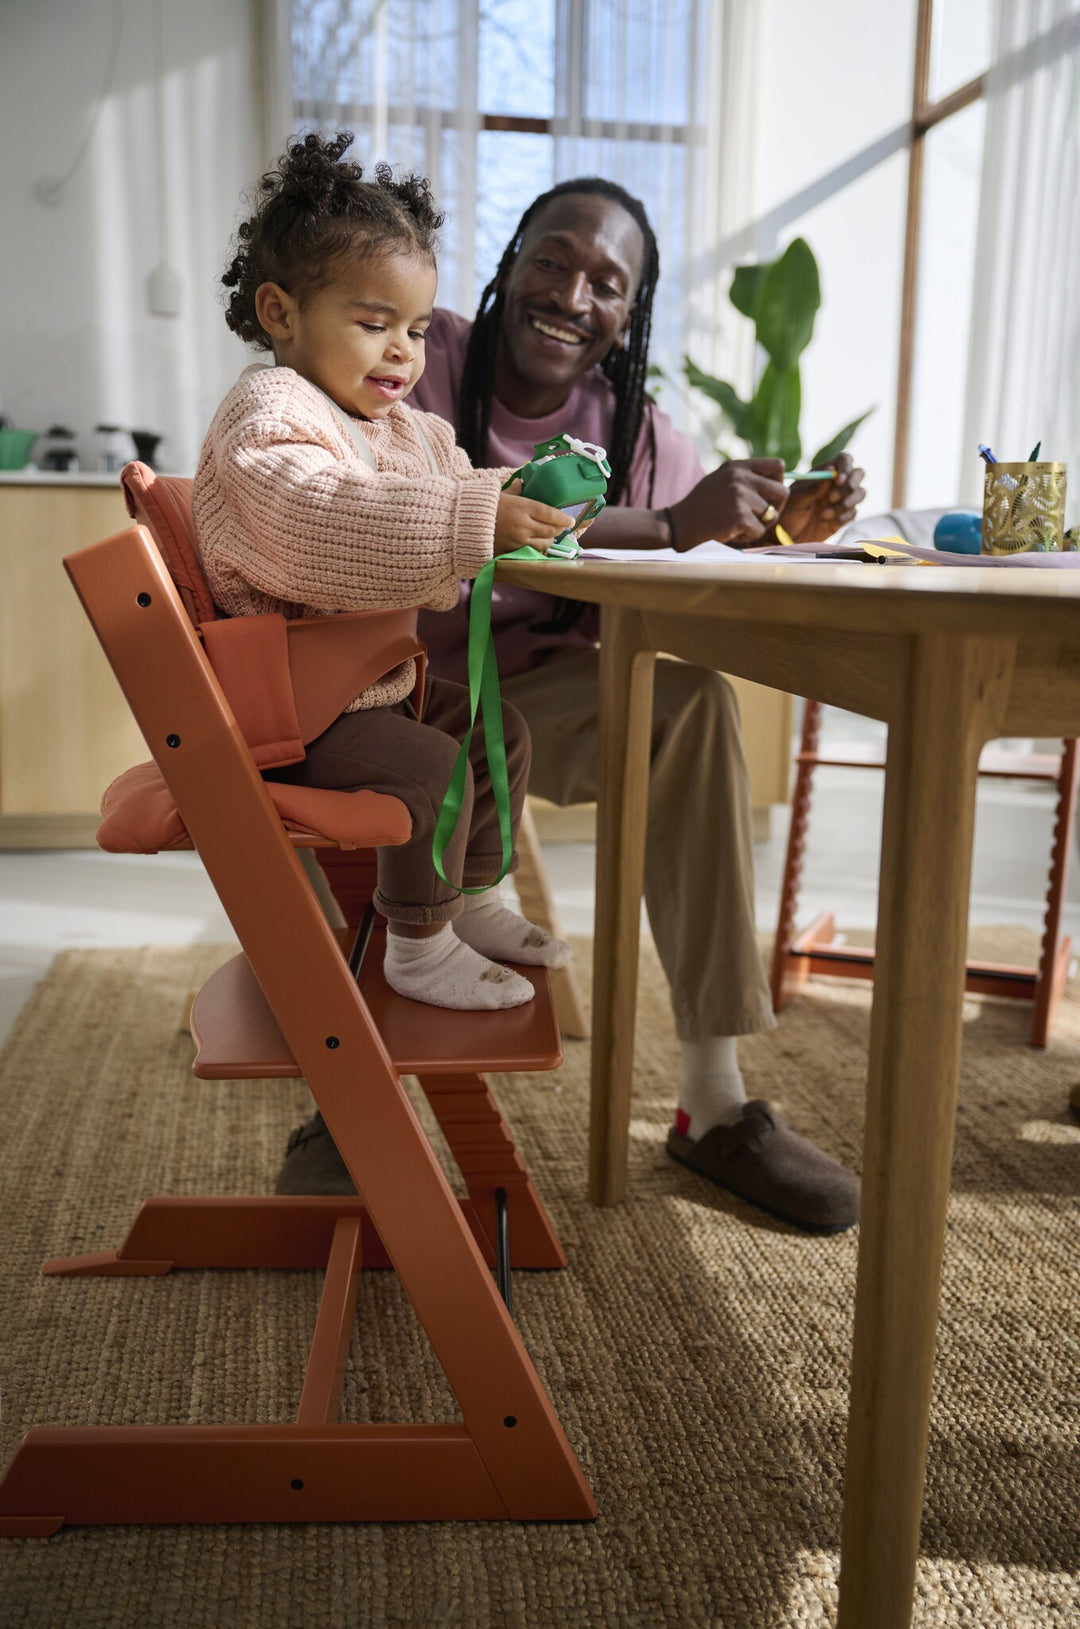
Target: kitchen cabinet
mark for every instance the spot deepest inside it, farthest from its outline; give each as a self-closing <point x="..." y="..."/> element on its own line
<point x="65" y="728"/>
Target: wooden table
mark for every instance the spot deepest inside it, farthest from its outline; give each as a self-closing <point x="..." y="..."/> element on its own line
<point x="949" y="658"/>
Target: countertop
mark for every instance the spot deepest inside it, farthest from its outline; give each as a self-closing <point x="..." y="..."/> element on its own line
<point x="52" y="477"/>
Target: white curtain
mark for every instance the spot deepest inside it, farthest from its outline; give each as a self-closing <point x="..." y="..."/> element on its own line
<point x="644" y="92"/>
<point x="1023" y="380"/>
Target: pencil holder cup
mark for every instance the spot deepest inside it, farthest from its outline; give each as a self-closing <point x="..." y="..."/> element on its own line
<point x="1023" y="508"/>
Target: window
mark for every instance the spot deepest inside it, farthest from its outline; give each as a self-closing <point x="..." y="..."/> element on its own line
<point x="496" y="100"/>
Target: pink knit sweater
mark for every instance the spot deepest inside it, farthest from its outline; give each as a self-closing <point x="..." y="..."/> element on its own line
<point x="291" y="517"/>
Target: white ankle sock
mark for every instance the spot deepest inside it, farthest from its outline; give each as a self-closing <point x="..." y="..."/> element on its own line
<point x="492" y="928"/>
<point x="445" y="973"/>
<point x="712" y="1089"/>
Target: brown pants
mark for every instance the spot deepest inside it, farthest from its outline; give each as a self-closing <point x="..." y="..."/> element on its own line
<point x="699" y="853"/>
<point x="387" y="749"/>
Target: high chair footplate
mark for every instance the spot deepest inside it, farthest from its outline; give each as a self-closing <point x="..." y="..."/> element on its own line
<point x="237" y="1036"/>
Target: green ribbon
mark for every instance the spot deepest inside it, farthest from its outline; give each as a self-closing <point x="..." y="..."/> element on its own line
<point x="483" y="696"/>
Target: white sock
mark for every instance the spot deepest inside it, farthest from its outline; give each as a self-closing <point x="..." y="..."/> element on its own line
<point x="712" y="1089"/>
<point x="445" y="973"/>
<point x="492" y="928"/>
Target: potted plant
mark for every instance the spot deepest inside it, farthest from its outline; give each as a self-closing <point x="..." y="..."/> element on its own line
<point x="781" y="298"/>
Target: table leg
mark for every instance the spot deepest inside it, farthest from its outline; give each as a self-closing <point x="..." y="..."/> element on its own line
<point x="952" y="701"/>
<point x="626" y="690"/>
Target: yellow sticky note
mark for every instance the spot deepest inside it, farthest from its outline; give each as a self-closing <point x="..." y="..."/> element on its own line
<point x="880" y="551"/>
<point x="879" y="547"/>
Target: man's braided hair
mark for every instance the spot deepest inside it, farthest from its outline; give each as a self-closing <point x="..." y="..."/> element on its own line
<point x="310" y="209"/>
<point x="624" y="365"/>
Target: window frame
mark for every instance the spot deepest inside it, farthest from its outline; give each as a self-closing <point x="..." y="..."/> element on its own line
<point x="925" y="116"/>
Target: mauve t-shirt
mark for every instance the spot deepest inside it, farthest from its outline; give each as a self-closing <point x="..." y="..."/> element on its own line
<point x="518" y="615"/>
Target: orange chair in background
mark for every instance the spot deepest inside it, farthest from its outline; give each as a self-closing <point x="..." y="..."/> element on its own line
<point x="302" y="1000"/>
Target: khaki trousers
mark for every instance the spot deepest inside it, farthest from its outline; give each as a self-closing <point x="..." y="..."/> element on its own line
<point x="386" y="749"/>
<point x="699" y="855"/>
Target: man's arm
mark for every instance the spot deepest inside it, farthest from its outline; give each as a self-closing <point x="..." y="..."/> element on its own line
<point x="727" y="505"/>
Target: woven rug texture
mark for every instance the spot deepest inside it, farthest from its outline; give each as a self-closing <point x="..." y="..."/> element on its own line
<point x="696" y="1353"/>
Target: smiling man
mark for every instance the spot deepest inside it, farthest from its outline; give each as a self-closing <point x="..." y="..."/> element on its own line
<point x="560" y="343"/>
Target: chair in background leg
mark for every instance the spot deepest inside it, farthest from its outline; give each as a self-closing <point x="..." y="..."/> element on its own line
<point x="535" y="898"/>
<point x="814" y="951"/>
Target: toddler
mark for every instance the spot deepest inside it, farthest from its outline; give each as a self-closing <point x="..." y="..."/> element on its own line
<point x="318" y="491"/>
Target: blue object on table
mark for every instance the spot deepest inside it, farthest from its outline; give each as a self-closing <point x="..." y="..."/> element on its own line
<point x="959" y="532"/>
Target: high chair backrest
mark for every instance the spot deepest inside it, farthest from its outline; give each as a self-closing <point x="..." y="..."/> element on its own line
<point x="286" y="681"/>
<point x="162" y="503"/>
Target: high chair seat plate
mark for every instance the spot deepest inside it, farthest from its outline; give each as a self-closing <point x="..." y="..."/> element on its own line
<point x="140" y="816"/>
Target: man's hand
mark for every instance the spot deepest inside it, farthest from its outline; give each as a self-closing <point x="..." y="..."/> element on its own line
<point x="521" y="520"/>
<point x="816" y="509"/>
<point x="737" y="503"/>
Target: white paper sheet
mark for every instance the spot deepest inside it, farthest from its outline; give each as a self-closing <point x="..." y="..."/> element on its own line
<point x="704" y="554"/>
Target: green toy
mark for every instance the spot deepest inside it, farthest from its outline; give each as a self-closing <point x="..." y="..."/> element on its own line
<point x="568" y="474"/>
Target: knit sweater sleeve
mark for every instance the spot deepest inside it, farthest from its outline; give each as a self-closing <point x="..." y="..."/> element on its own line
<point x="442" y="438"/>
<point x="303" y="524"/>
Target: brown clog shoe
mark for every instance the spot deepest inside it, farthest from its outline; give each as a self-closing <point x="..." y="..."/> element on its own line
<point x="760" y="1158"/>
<point x="312" y="1162"/>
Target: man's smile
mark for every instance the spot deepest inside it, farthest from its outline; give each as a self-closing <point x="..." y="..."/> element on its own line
<point x="567" y="336"/>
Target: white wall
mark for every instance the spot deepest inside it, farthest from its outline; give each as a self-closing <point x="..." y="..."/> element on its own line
<point x="79" y="345"/>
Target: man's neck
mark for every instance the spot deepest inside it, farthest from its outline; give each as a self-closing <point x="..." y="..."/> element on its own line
<point x="522" y="397"/>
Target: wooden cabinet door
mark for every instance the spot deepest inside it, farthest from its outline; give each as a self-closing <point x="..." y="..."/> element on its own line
<point x="65" y="728"/>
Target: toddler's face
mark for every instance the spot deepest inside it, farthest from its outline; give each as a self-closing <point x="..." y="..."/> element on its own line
<point x="361" y="338"/>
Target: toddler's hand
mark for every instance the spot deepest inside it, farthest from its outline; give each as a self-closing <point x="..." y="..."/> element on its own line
<point x="521" y="520"/>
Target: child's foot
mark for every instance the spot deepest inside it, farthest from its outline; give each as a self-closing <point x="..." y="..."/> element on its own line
<point x="490" y="927"/>
<point x="446" y="973"/>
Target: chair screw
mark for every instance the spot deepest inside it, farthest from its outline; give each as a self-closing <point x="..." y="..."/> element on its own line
<point x="142" y="599"/>
<point x="172" y="740"/>
<point x="332" y="1042"/>
<point x="510" y="1420"/>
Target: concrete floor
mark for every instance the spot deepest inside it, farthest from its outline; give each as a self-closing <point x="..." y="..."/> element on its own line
<point x="52" y="900"/>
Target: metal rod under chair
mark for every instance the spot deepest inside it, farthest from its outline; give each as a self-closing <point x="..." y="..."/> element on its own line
<point x="502" y="1250"/>
<point x="360" y="943"/>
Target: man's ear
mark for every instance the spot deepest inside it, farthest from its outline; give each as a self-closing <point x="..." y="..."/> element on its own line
<point x="620" y="337"/>
<point x="275" y="310"/>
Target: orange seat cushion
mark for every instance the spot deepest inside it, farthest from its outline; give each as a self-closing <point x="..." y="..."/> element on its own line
<point x="140" y="816"/>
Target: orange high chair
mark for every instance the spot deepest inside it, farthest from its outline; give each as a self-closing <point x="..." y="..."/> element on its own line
<point x="299" y="1001"/>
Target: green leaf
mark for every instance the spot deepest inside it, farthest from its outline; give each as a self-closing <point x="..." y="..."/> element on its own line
<point x="787" y="302"/>
<point x="840" y="440"/>
<point x="774" y="416"/>
<point x="734" y="409"/>
<point x="744" y="288"/>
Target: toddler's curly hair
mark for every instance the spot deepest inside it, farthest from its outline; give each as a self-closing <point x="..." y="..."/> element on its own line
<point x="309" y="210"/>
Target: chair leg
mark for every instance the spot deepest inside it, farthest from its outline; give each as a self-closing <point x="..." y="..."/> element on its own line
<point x="1054" y="957"/>
<point x="535" y="899"/>
<point x="786" y="976"/>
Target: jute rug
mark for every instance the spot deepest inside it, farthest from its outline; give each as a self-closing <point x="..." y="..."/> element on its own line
<point x="696" y="1354"/>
